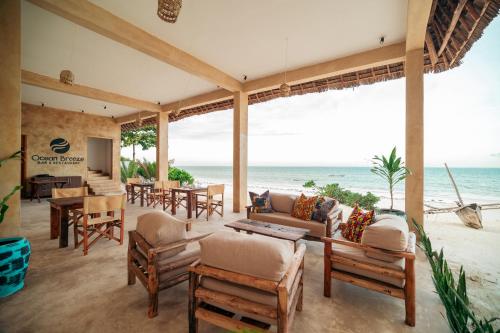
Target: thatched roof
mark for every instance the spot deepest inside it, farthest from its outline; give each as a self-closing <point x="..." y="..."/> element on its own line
<point x="452" y="31"/>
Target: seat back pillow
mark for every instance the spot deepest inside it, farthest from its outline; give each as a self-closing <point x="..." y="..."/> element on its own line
<point x="283" y="203"/>
<point x="388" y="232"/>
<point x="356" y="224"/>
<point x="261" y="203"/>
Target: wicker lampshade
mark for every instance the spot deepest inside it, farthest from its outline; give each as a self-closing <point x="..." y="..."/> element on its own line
<point x="168" y="10"/>
<point x="285" y="90"/>
<point x="66" y="76"/>
<point x="138" y="120"/>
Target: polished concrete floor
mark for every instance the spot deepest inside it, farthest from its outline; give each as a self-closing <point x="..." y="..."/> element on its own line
<point x="67" y="292"/>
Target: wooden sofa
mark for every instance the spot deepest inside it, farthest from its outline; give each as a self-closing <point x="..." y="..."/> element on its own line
<point x="384" y="261"/>
<point x="256" y="283"/>
<point x="282" y="205"/>
<point x="160" y="253"/>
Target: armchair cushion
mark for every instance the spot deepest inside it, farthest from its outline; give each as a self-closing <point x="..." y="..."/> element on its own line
<point x="159" y="228"/>
<point x="323" y="208"/>
<point x="262" y="257"/>
<point x="304" y="207"/>
<point x="192" y="251"/>
<point x="282" y="203"/>
<point x="388" y="232"/>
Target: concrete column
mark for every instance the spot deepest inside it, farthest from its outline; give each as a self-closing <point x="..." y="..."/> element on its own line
<point x="240" y="151"/>
<point x="162" y="146"/>
<point x="414" y="191"/>
<point x="10" y="110"/>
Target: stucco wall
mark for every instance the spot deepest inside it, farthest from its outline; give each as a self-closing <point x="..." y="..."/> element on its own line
<point x="42" y="125"/>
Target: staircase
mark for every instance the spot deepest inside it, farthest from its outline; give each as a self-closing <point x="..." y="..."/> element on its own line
<point x="101" y="184"/>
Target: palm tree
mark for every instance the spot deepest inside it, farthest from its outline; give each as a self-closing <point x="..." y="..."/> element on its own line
<point x="391" y="169"/>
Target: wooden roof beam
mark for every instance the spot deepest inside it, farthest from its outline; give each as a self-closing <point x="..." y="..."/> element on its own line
<point x="99" y="20"/>
<point x="364" y="60"/>
<point x="432" y="50"/>
<point x="454" y="20"/>
<point x="210" y="97"/>
<point x="418" y="17"/>
<point x="133" y="117"/>
<point x="42" y="81"/>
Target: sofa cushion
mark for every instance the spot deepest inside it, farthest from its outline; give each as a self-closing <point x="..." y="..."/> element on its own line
<point x="388" y="232"/>
<point x="159" y="228"/>
<point x="316" y="229"/>
<point x="261" y="203"/>
<point x="323" y="207"/>
<point x="356" y="224"/>
<point x="283" y="203"/>
<point x="359" y="255"/>
<point x="263" y="257"/>
<point x="303" y="207"/>
<point x="192" y="252"/>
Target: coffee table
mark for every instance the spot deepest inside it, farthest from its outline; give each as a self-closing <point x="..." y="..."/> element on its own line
<point x="269" y="229"/>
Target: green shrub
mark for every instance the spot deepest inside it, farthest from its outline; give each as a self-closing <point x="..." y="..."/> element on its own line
<point x="309" y="184"/>
<point x="181" y="175"/>
<point x="461" y="318"/>
<point x="347" y="197"/>
<point x="147" y="169"/>
<point x="128" y="169"/>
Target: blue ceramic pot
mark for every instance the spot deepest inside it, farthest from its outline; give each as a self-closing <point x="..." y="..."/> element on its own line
<point x="14" y="258"/>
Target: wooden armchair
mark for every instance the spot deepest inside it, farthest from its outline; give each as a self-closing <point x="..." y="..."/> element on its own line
<point x="357" y="264"/>
<point x="236" y="301"/>
<point x="156" y="195"/>
<point x="209" y="202"/>
<point x="93" y="223"/>
<point x="130" y="192"/>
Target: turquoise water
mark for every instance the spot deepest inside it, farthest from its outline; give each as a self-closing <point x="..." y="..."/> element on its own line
<point x="480" y="185"/>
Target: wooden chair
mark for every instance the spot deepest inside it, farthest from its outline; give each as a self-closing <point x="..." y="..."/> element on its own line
<point x="233" y="301"/>
<point x="157" y="194"/>
<point x="168" y="185"/>
<point x="207" y="202"/>
<point x="77" y="213"/>
<point x="128" y="187"/>
<point x="94" y="223"/>
<point x="393" y="280"/>
<point x="163" y="266"/>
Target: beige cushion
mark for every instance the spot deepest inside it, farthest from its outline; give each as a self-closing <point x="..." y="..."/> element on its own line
<point x="262" y="257"/>
<point x="388" y="232"/>
<point x="192" y="251"/>
<point x="159" y="228"/>
<point x="282" y="203"/>
<point x="359" y="255"/>
<point x="316" y="229"/>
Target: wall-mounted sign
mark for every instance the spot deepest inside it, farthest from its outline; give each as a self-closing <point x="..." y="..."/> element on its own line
<point x="59" y="146"/>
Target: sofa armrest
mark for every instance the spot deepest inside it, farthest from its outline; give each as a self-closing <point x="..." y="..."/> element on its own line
<point x="249" y="210"/>
<point x="399" y="254"/>
<point x="157" y="250"/>
<point x="289" y="278"/>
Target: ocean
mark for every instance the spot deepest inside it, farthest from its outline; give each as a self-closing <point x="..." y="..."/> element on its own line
<point x="480" y="185"/>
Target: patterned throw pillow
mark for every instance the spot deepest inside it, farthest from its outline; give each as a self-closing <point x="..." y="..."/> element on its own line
<point x="261" y="203"/>
<point x="322" y="208"/>
<point x="303" y="207"/>
<point x="356" y="224"/>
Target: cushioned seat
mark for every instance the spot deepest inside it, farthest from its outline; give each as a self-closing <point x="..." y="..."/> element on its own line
<point x="316" y="229"/>
<point x="359" y="255"/>
<point x="192" y="251"/>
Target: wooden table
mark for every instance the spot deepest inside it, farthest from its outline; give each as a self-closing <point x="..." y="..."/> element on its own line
<point x="144" y="190"/>
<point x="35" y="186"/>
<point x="190" y="192"/>
<point x="269" y="229"/>
<point x="59" y="212"/>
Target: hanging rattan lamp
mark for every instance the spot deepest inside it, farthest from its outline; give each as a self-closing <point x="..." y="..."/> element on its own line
<point x="67" y="77"/>
<point x="168" y="10"/>
<point x="285" y="89"/>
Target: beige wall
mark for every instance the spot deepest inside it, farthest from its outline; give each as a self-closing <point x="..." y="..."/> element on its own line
<point x="10" y="109"/>
<point x="43" y="124"/>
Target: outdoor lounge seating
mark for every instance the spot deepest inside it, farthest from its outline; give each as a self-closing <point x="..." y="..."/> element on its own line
<point x="383" y="261"/>
<point x="93" y="222"/>
<point x="282" y="205"/>
<point x="159" y="254"/>
<point x="211" y="201"/>
<point x="246" y="282"/>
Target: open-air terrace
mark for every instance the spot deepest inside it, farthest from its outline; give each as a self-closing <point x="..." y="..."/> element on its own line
<point x="95" y="242"/>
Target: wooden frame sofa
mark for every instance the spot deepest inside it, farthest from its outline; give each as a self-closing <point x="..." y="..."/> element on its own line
<point x="384" y="261"/>
<point x="242" y="290"/>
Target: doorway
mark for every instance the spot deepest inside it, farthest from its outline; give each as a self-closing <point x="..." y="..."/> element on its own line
<point x="100" y="155"/>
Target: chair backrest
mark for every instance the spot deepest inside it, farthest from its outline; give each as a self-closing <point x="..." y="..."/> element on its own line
<point x="158" y="185"/>
<point x="133" y="180"/>
<point x="105" y="203"/>
<point x="167" y="184"/>
<point x="215" y="189"/>
<point x="69" y="192"/>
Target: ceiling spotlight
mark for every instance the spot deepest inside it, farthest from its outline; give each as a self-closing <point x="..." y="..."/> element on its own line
<point x="244" y="77"/>
<point x="105" y="107"/>
<point x="82" y="111"/>
<point x="43" y="104"/>
<point x="382" y="40"/>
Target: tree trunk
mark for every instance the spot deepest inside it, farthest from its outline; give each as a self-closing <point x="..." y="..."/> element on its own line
<point x="133" y="152"/>
<point x="392" y="199"/>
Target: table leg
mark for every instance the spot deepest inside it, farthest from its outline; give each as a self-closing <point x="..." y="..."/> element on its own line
<point x="133" y="193"/>
<point x="32" y="192"/>
<point x="55" y="216"/>
<point x="189" y="198"/>
<point x="142" y="196"/>
<point x="173" y="210"/>
<point x="63" y="236"/>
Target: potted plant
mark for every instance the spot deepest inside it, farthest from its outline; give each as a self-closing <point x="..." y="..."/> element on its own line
<point x="393" y="171"/>
<point x="14" y="251"/>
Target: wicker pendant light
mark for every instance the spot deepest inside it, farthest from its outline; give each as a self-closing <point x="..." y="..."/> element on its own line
<point x="168" y="10"/>
<point x="177" y="110"/>
<point x="285" y="89"/>
<point x="67" y="77"/>
<point x="138" y="120"/>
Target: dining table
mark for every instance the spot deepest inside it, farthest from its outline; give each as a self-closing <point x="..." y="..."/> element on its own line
<point x="59" y="217"/>
<point x="190" y="192"/>
<point x="144" y="190"/>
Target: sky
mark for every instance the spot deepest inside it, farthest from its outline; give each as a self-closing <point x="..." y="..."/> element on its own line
<point x="350" y="126"/>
